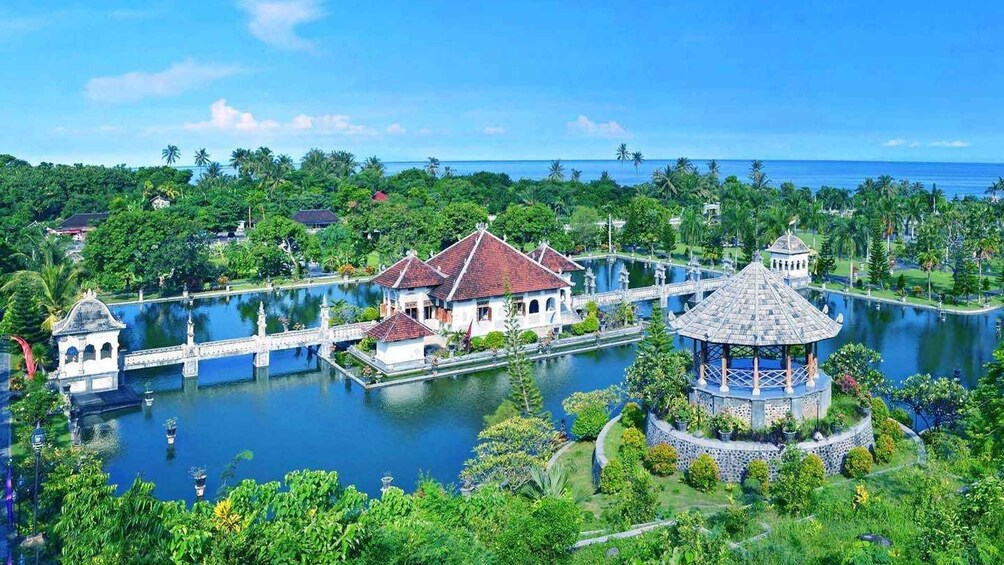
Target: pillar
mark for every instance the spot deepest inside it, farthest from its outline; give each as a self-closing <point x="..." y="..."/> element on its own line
<point x="811" y="365"/>
<point x="725" y="369"/>
<point x="756" y="371"/>
<point x="787" y="371"/>
<point x="701" y="379"/>
<point x="190" y="368"/>
<point x="324" y="333"/>
<point x="261" y="355"/>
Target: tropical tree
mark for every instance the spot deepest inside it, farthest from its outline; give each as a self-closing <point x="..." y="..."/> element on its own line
<point x="170" y="154"/>
<point x="684" y="166"/>
<point x="201" y="158"/>
<point x="878" y="261"/>
<point x="928" y="262"/>
<point x="664" y="185"/>
<point x="713" y="169"/>
<point x="556" y="172"/>
<point x="623" y="155"/>
<point x="432" y="166"/>
<point x="375" y="165"/>
<point x="576" y="175"/>
<point x="239" y="159"/>
<point x="758" y="178"/>
<point x="637" y="159"/>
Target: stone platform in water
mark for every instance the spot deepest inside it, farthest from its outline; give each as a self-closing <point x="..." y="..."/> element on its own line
<point x="122" y="398"/>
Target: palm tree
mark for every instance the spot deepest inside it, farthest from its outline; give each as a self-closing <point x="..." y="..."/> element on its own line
<point x="663" y="181"/>
<point x="713" y="170"/>
<point x="214" y="171"/>
<point x="556" y="171"/>
<point x="683" y="165"/>
<point x="58" y="286"/>
<point x="546" y="483"/>
<point x="201" y="158"/>
<point x="928" y="261"/>
<point x="432" y="167"/>
<point x="374" y="164"/>
<point x="622" y="154"/>
<point x="576" y="175"/>
<point x="637" y="159"/>
<point x="996" y="187"/>
<point x="448" y="171"/>
<point x="757" y="176"/>
<point x="239" y="160"/>
<point x="170" y="154"/>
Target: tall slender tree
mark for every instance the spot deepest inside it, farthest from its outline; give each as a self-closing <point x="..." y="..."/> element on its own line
<point x="201" y="158"/>
<point x="878" y="260"/>
<point x="637" y="159"/>
<point x="432" y="166"/>
<point x="623" y="155"/>
<point x="170" y="154"/>
<point x="523" y="391"/>
<point x="556" y="171"/>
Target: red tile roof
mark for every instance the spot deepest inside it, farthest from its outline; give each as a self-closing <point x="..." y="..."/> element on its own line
<point x="380" y="196"/>
<point x="399" y="327"/>
<point x="548" y="257"/>
<point x="481" y="265"/>
<point x="410" y="272"/>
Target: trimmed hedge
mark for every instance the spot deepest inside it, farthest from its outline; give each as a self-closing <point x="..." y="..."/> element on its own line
<point x="632" y="416"/>
<point x="813" y="470"/>
<point x="613" y="478"/>
<point x="633" y="445"/>
<point x="880" y="412"/>
<point x="528" y="337"/>
<point x="889" y="427"/>
<point x="858" y="462"/>
<point x="494" y="340"/>
<point x="590" y="421"/>
<point x="703" y="473"/>
<point x="660" y="459"/>
<point x="759" y="471"/>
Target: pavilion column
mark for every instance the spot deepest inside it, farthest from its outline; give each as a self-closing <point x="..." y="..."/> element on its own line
<point x="787" y="371"/>
<point x="756" y="371"/>
<point x="811" y="364"/>
<point x="702" y="379"/>
<point x="725" y="369"/>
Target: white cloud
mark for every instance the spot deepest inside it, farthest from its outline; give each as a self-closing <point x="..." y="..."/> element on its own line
<point x="275" y="22"/>
<point x="894" y="142"/>
<point x="224" y="117"/>
<point x="494" y="130"/>
<point x="584" y="125"/>
<point x="955" y="143"/>
<point x="172" y="81"/>
<point x="396" y="129"/>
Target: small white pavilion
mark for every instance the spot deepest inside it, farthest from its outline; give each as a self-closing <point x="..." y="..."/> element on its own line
<point x="88" y="343"/>
<point x="790" y="258"/>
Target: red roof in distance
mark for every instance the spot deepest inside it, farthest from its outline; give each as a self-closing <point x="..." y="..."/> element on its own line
<point x="548" y="257"/>
<point x="399" y="327"/>
<point x="410" y="272"/>
<point x="380" y="196"/>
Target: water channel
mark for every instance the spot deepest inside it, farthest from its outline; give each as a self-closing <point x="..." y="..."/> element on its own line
<point x="303" y="415"/>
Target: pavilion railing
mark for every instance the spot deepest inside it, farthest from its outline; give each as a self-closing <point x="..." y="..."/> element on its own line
<point x="769" y="378"/>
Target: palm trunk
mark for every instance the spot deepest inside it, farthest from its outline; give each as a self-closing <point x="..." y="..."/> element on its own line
<point x="929" y="285"/>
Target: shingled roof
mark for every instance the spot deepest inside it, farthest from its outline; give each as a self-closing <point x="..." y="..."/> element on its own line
<point x="756" y="307"/>
<point x="80" y="221"/>
<point x="482" y="265"/>
<point x="548" y="257"/>
<point x="399" y="327"/>
<point x="87" y="316"/>
<point x="410" y="272"/>
<point x="788" y="244"/>
<point x="320" y="217"/>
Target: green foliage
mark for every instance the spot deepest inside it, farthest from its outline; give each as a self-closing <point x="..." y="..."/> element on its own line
<point x="888" y="427"/>
<point x="703" y="473"/>
<point x="792" y="491"/>
<point x="589" y="324"/>
<point x="635" y="503"/>
<point x="590" y="421"/>
<point x="885" y="446"/>
<point x="633" y="416"/>
<point x="660" y="459"/>
<point x="367" y="344"/>
<point x="813" y="471"/>
<point x="901" y="416"/>
<point x="880" y="412"/>
<point x="578" y="401"/>
<point x="591" y="308"/>
<point x="495" y="340"/>
<point x="633" y="446"/>
<point x="613" y="477"/>
<point x="523" y="390"/>
<point x="939" y="402"/>
<point x="507" y="451"/>
<point x="538" y="533"/>
<point x="369" y="314"/>
<point x="527" y="224"/>
<point x="878" y="260"/>
<point x="527" y="337"/>
<point x="985" y="422"/>
<point x="826" y="261"/>
<point x="24" y="316"/>
<point x="860" y="363"/>
<point x="658" y="374"/>
<point x="858" y="462"/>
<point x="759" y="471"/>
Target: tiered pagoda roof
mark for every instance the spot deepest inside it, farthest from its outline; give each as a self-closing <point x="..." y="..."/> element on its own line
<point x="756" y="307"/>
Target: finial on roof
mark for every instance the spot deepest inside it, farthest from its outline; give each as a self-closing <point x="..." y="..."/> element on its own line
<point x="840" y="318"/>
<point x="545" y="243"/>
<point x="482" y="226"/>
<point x="411" y="253"/>
<point x="90" y="293"/>
<point x="826" y="308"/>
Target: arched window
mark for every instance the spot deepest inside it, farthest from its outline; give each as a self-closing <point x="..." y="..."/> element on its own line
<point x="72" y="355"/>
<point x="106" y="351"/>
<point x="550" y="305"/>
<point x="89" y="353"/>
<point x="534" y="306"/>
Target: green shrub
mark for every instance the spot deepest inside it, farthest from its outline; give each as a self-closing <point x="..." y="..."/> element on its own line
<point x="660" y="459"/>
<point x="703" y="473"/>
<point x="901" y="416"/>
<point x="494" y="340"/>
<point x="477" y="344"/>
<point x="880" y="412"/>
<point x="576" y="329"/>
<point x="759" y="471"/>
<point x="947" y="447"/>
<point x="590" y="421"/>
<point x="632" y="416"/>
<point x="884" y="448"/>
<point x="591" y="324"/>
<point x="367" y="344"/>
<point x="858" y="462"/>
<point x="890" y="428"/>
<point x="633" y="445"/>
<point x="527" y="337"/>
<point x="635" y="503"/>
<point x="543" y="529"/>
<point x="813" y="471"/>
<point x="370" y="314"/>
<point x="591" y="308"/>
<point x="613" y="477"/>
<point x="792" y="491"/>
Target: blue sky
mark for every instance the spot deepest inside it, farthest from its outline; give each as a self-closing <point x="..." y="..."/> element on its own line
<point x="109" y="82"/>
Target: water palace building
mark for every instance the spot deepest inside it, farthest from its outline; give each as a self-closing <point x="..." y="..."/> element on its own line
<point x="462" y="288"/>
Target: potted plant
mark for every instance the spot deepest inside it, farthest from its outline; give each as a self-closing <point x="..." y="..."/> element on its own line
<point x="171" y="425"/>
<point x="724" y="425"/>
<point x="789" y="427"/>
<point x="148" y="395"/>
<point x="839" y="421"/>
<point x="199" y="474"/>
<point x="679" y="410"/>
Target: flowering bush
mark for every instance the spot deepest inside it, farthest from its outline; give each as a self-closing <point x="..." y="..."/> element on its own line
<point x="346" y="270"/>
<point x="849" y="386"/>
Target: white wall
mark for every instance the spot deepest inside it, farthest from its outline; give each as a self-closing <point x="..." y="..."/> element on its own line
<point x="400" y="351"/>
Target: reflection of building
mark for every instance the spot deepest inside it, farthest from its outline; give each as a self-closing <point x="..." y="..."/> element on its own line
<point x="78" y="225"/>
<point x="463" y="286"/>
<point x="755" y="342"/>
<point x="88" y="343"/>
<point x="790" y="257"/>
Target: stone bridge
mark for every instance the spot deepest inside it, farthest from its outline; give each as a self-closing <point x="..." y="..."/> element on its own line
<point x="259" y="345"/>
<point x="660" y="292"/>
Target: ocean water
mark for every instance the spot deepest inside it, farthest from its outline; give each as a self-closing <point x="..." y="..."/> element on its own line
<point x="955" y="179"/>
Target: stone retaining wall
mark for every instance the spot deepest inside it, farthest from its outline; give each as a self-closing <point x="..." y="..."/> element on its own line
<point x="734" y="457"/>
<point x="599" y="454"/>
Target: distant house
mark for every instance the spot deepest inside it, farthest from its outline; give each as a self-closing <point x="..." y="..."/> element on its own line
<point x="399" y="339"/>
<point x="78" y="225"/>
<point x="159" y="203"/>
<point x="380" y="196"/>
<point x="315" y="219"/>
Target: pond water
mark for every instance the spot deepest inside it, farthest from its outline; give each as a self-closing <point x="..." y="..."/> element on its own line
<point x="304" y="415"/>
